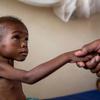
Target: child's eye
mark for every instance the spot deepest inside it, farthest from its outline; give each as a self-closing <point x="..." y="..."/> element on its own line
<point x="17" y="37"/>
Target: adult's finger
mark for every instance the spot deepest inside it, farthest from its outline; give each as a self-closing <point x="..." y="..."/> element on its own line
<point x="93" y="62"/>
<point x="89" y="48"/>
<point x="96" y="69"/>
<point x="98" y="74"/>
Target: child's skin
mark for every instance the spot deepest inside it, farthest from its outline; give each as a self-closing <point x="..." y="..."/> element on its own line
<point x="14" y="46"/>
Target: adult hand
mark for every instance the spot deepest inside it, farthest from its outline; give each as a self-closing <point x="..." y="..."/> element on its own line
<point x="90" y="49"/>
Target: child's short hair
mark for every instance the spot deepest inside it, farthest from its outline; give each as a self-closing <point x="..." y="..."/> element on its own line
<point x="9" y="19"/>
<point x="5" y="19"/>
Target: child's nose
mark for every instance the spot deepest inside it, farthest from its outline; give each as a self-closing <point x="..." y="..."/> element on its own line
<point x="23" y="44"/>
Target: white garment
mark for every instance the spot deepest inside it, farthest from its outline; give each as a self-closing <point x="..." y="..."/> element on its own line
<point x="81" y="8"/>
<point x="86" y="8"/>
<point x="65" y="9"/>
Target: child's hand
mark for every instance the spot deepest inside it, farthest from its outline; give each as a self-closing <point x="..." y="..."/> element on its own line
<point x="74" y="59"/>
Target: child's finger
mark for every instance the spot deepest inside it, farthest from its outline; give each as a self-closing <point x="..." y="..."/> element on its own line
<point x="75" y="59"/>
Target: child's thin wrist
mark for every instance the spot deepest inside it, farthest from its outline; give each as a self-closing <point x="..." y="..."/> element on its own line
<point x="68" y="57"/>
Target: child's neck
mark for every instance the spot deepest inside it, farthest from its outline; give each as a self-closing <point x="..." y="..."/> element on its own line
<point x="6" y="60"/>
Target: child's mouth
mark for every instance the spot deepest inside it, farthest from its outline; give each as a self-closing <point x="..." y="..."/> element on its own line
<point x="24" y="53"/>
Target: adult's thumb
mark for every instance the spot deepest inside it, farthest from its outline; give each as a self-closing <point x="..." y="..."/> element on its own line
<point x="81" y="52"/>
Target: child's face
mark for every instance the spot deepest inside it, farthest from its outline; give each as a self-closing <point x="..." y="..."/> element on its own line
<point x="14" y="43"/>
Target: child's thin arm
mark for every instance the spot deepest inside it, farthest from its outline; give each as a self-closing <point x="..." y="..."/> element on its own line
<point x="37" y="73"/>
<point x="49" y="67"/>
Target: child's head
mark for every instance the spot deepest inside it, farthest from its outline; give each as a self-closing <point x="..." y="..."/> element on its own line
<point x="13" y="38"/>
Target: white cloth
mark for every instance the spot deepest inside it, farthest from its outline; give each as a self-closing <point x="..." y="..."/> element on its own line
<point x="86" y="8"/>
<point x="65" y="9"/>
<point x="81" y="8"/>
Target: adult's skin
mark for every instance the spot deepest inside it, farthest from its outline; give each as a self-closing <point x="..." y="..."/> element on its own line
<point x="94" y="63"/>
